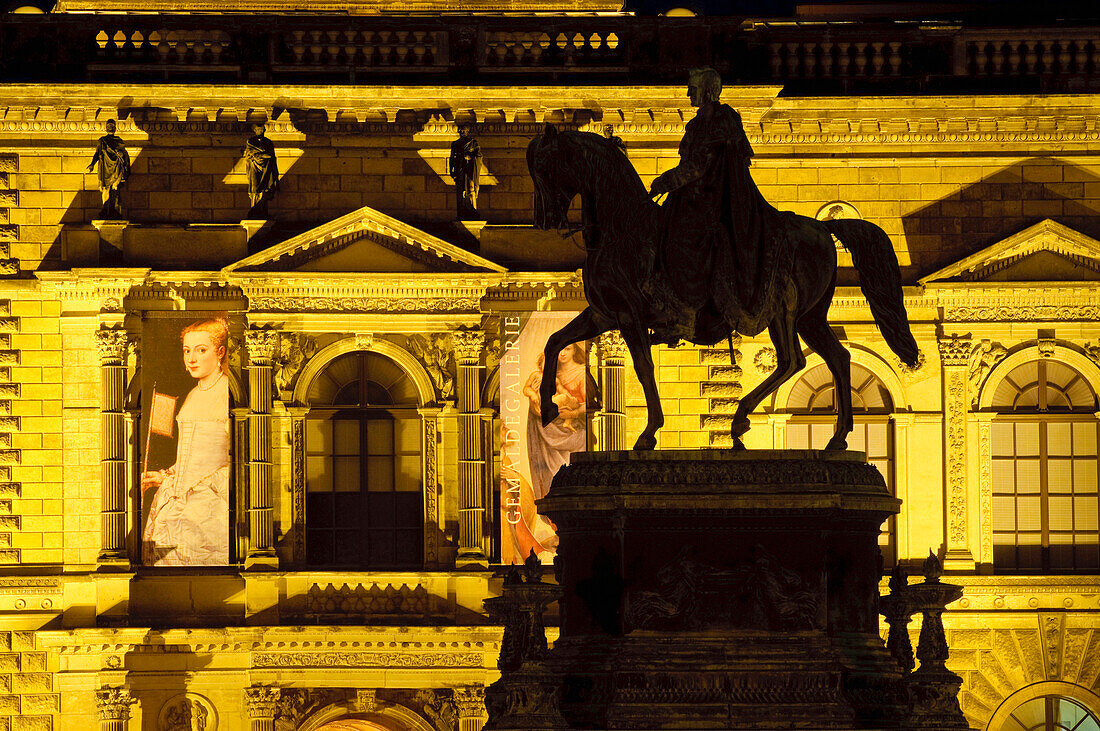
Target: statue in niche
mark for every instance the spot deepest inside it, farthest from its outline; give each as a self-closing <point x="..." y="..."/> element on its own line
<point x="716" y="260"/>
<point x="114" y="167"/>
<point x="263" y="171"/>
<point x="464" y="165"/>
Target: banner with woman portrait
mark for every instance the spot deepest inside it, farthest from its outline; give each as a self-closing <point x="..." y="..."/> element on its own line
<point x="186" y="437"/>
<point x="531" y="454"/>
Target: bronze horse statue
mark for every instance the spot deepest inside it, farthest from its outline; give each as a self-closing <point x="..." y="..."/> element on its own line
<point x="625" y="290"/>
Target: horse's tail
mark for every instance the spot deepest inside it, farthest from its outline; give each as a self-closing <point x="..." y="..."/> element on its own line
<point x="880" y="280"/>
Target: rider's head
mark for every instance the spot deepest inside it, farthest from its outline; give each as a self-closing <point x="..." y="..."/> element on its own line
<point x="704" y="85"/>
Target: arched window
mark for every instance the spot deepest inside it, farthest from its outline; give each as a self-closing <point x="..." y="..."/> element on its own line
<point x="363" y="476"/>
<point x="813" y="405"/>
<point x="1044" y="470"/>
<point x="1050" y="713"/>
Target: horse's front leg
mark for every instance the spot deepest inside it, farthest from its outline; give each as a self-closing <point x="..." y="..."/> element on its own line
<point x="637" y="340"/>
<point x="585" y="326"/>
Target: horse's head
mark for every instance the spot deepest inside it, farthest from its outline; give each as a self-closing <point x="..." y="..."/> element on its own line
<point x="553" y="191"/>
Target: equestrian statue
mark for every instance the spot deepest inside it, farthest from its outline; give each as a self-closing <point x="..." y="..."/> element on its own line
<point x="715" y="259"/>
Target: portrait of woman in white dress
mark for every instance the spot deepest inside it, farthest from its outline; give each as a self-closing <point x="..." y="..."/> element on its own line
<point x="187" y="519"/>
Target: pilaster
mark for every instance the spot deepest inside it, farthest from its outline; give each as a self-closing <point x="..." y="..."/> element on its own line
<point x="112" y="345"/>
<point x="612" y="349"/>
<point x="955" y="356"/>
<point x="261" y="346"/>
<point x="472" y="545"/>
<point x="113" y="705"/>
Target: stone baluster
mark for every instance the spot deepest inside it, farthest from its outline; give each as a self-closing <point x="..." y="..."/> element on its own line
<point x="877" y="59"/>
<point x="112" y="345"/>
<point x="470" y="702"/>
<point x="471" y="452"/>
<point x="955" y="357"/>
<point x="826" y="59"/>
<point x="261" y="345"/>
<point x="896" y="608"/>
<point x="933" y="689"/>
<point x="113" y="705"/>
<point x="861" y="58"/>
<point x="776" y="59"/>
<point x="261" y="702"/>
<point x="612" y="349"/>
<point x="843" y="59"/>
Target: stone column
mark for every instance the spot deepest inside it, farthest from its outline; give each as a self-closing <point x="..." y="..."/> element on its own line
<point x="261" y="345"/>
<point x="612" y="434"/>
<point x="113" y="705"/>
<point x="470" y="702"/>
<point x="112" y="345"/>
<point x="261" y="702"/>
<point x="471" y="454"/>
<point x="955" y="356"/>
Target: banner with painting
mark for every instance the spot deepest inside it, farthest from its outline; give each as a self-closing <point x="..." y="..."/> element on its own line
<point x="531" y="454"/>
<point x="186" y="437"/>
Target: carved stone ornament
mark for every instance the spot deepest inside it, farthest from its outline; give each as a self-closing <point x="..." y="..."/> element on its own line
<point x="113" y="704"/>
<point x="765" y="360"/>
<point x="470" y="701"/>
<point x="758" y="593"/>
<point x="955" y="350"/>
<point x="366" y="700"/>
<point x="1046" y="348"/>
<point x="439" y="708"/>
<point x="188" y="712"/>
<point x="296" y="704"/>
<point x="612" y="346"/>
<point x="262" y="701"/>
<point x="468" y="345"/>
<point x="261" y="345"/>
<point x="436" y="353"/>
<point x="112" y="346"/>
<point x="982" y="359"/>
<point x="293" y="350"/>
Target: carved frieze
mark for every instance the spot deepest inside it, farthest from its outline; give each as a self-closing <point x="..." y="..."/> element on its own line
<point x="367" y="659"/>
<point x="363" y="304"/>
<point x="1022" y="313"/>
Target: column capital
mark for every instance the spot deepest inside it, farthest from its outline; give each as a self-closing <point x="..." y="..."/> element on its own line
<point x="112" y="346"/>
<point x="955" y="350"/>
<point x="612" y="345"/>
<point x="262" y="701"/>
<point x="113" y="703"/>
<point x="468" y="345"/>
<point x="261" y="345"/>
<point x="470" y="701"/>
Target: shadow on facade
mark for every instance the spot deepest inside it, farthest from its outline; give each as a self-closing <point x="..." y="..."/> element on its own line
<point x="999" y="205"/>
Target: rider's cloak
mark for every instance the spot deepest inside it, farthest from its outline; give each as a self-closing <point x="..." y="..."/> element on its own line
<point x="713" y="252"/>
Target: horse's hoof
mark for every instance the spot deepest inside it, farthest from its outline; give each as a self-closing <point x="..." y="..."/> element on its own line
<point x="645" y="443"/>
<point x="836" y="445"/>
<point x="738" y="428"/>
<point x="549" y="412"/>
<point x="738" y="445"/>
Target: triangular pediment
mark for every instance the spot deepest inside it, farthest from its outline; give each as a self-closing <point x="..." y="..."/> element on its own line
<point x="365" y="241"/>
<point x="1045" y="252"/>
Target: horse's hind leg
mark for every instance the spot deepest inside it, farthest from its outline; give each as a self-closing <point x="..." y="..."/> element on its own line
<point x="815" y="330"/>
<point x="637" y="341"/>
<point x="584" y="326"/>
<point x="789" y="360"/>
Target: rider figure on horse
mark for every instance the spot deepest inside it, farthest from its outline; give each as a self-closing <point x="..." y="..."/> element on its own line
<point x="711" y="253"/>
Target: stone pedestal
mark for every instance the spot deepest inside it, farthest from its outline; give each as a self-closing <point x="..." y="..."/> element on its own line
<point x="722" y="590"/>
<point x="112" y="235"/>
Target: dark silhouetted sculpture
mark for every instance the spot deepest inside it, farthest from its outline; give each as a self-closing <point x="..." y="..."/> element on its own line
<point x="716" y="259"/>
<point x="464" y="165"/>
<point x="263" y="171"/>
<point x="114" y="169"/>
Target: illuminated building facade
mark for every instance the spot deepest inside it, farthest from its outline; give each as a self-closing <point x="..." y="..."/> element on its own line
<point x="362" y="363"/>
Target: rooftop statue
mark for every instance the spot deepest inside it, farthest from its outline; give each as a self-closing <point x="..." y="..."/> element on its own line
<point x="114" y="168"/>
<point x="715" y="259"/>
